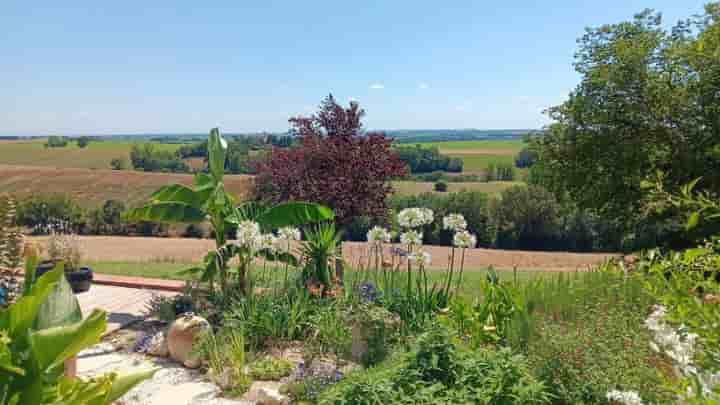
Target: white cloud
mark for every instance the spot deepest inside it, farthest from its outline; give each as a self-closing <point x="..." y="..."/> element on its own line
<point x="377" y="86"/>
<point x="423" y="86"/>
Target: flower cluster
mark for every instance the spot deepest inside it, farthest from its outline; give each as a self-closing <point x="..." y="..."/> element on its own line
<point x="624" y="397"/>
<point x="378" y="235"/>
<point x="248" y="235"/>
<point x="420" y="258"/>
<point x="464" y="239"/>
<point x="455" y="223"/>
<point x="415" y="217"/>
<point x="66" y="248"/>
<point x="679" y="345"/>
<point x="411" y="238"/>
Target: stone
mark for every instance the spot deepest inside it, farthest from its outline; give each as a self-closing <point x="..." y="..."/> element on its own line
<point x="158" y="346"/>
<point x="265" y="390"/>
<point x="181" y="337"/>
<point x="270" y="396"/>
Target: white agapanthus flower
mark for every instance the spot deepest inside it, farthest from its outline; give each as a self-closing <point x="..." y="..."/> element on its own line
<point x="289" y="233"/>
<point x="415" y="217"/>
<point x="464" y="239"/>
<point x="378" y="235"/>
<point x="269" y="242"/>
<point x="285" y="236"/>
<point x="248" y="235"/>
<point x="413" y="238"/>
<point x="624" y="397"/>
<point x="678" y="345"/>
<point x="454" y="222"/>
<point x="420" y="258"/>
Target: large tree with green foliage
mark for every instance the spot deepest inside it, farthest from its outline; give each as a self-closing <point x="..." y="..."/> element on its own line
<point x="648" y="101"/>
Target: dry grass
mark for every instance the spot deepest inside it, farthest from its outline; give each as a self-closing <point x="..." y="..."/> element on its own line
<point x="144" y="250"/>
<point x="92" y="187"/>
<point x="97" y="155"/>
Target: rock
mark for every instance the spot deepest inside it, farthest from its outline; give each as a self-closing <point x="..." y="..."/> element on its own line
<point x="270" y="396"/>
<point x="158" y="346"/>
<point x="263" y="390"/>
<point x="183" y="333"/>
<point x="359" y="346"/>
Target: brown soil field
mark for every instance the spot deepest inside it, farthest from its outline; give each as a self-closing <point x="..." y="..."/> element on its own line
<point x="91" y="188"/>
<point x="186" y="250"/>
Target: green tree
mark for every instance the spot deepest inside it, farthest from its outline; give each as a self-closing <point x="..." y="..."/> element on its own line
<point x="647" y="102"/>
<point x="83" y="141"/>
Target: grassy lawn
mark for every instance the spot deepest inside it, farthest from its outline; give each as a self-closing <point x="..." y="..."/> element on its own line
<point x="97" y="155"/>
<point x="172" y="270"/>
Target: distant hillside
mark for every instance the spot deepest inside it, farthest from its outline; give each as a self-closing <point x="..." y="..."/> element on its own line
<point x="442" y="135"/>
<point x="401" y="135"/>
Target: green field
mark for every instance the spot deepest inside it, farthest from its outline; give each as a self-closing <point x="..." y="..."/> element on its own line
<point x="477" y="155"/>
<point x="97" y="155"/>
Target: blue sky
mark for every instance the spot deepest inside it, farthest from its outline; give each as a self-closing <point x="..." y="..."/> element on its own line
<point x="104" y="67"/>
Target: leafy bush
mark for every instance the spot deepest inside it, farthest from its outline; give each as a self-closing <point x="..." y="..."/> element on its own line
<point x="499" y="172"/>
<point x="584" y="336"/>
<point x="83" y="141"/>
<point x="425" y="160"/>
<point x="46" y="212"/>
<point x="119" y="164"/>
<point x="146" y="158"/>
<point x="270" y="368"/>
<point x="439" y="370"/>
<point x="56" y="142"/>
<point x="440" y="186"/>
<point x="526" y="158"/>
<point x="525" y="217"/>
<point x="36" y="342"/>
<point x="472" y="205"/>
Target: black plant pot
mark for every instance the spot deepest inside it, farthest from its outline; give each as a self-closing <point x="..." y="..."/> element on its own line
<point x="79" y="280"/>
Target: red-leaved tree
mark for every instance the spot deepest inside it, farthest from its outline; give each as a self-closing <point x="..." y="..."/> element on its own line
<point x="336" y="163"/>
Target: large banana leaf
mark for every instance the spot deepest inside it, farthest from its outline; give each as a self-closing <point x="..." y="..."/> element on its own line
<point x="51" y="347"/>
<point x="182" y="194"/>
<point x="294" y="214"/>
<point x="60" y="308"/>
<point x="19" y="317"/>
<point x="166" y="212"/>
<point x="217" y="147"/>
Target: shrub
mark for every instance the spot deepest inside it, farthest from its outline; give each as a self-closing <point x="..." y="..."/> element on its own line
<point x="441" y="186"/>
<point x="65" y="248"/>
<point x="119" y="164"/>
<point x="438" y="370"/>
<point x="146" y="158"/>
<point x="526" y="158"/>
<point x="270" y="368"/>
<point x="472" y="205"/>
<point x="83" y="141"/>
<point x="425" y="160"/>
<point x="525" y="217"/>
<point x="336" y="164"/>
<point x="584" y="336"/>
<point x="45" y="212"/>
<point x="56" y="142"/>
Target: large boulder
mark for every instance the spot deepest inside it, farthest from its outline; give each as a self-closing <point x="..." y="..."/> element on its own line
<point x="181" y="337"/>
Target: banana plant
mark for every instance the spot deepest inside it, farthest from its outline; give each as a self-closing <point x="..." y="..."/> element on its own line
<point x="31" y="359"/>
<point x="209" y="201"/>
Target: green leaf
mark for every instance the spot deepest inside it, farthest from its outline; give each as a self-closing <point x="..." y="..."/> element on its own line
<point x="124" y="383"/>
<point x="294" y="214"/>
<point x="217" y="147"/>
<point x="693" y="221"/>
<point x="61" y="308"/>
<point x="19" y="317"/>
<point x="51" y="347"/>
<point x="182" y="194"/>
<point x="166" y="212"/>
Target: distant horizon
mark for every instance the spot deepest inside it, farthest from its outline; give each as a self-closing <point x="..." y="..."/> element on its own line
<point x="232" y="133"/>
